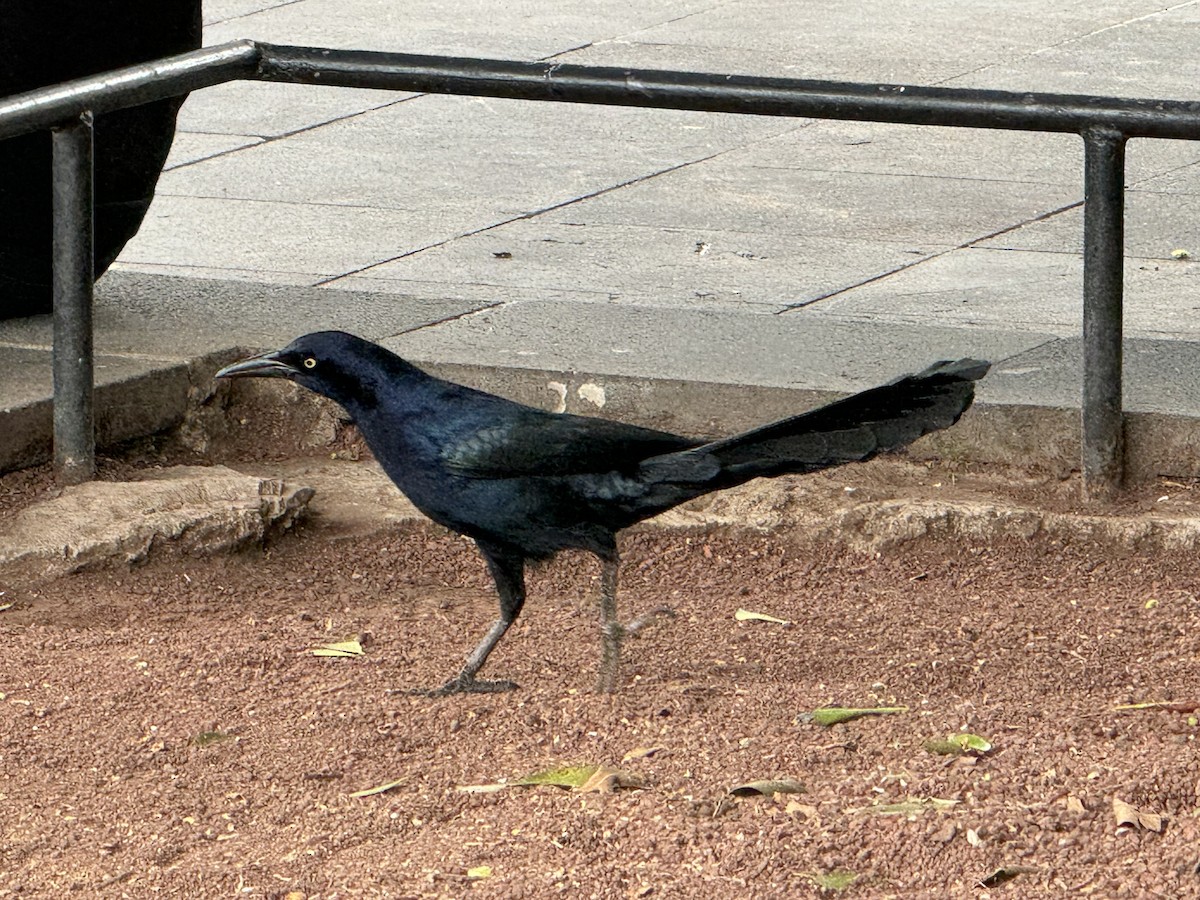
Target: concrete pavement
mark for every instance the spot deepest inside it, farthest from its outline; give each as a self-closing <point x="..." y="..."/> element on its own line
<point x="698" y="271"/>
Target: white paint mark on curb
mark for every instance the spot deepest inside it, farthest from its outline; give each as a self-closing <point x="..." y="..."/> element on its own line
<point x="561" y="389"/>
<point x="592" y="393"/>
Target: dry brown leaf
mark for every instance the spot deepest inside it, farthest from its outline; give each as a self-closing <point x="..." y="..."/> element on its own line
<point x="911" y="807"/>
<point x="583" y="778"/>
<point x="1005" y="874"/>
<point x="1074" y="804"/>
<point x="745" y="615"/>
<point x="342" y="650"/>
<point x="480" y="788"/>
<point x="370" y="792"/>
<point x="606" y="779"/>
<point x="640" y="753"/>
<point x="796" y="808"/>
<point x="767" y="787"/>
<point x="1128" y="814"/>
<point x="1179" y="706"/>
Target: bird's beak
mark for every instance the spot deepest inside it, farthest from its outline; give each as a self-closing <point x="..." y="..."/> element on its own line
<point x="265" y="365"/>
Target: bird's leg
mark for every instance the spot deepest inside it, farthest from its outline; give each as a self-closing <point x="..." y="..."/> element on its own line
<point x="612" y="630"/>
<point x="508" y="571"/>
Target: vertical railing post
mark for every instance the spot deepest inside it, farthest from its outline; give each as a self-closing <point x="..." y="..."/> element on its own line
<point x="73" y="273"/>
<point x="1103" y="425"/>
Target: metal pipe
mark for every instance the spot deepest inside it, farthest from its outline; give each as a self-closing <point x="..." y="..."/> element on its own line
<point x="1103" y="424"/>
<point x="744" y="94"/>
<point x="74" y="417"/>
<point x="963" y="107"/>
<point x="131" y="86"/>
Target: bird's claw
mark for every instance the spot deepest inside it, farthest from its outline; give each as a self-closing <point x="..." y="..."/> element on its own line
<point x="613" y="633"/>
<point x="460" y="685"/>
<point x="636" y="625"/>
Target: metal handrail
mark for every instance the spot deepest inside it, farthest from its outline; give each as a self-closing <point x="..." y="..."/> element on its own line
<point x="1104" y="123"/>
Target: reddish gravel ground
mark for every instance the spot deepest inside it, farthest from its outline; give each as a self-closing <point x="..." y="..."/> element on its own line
<point x="166" y="731"/>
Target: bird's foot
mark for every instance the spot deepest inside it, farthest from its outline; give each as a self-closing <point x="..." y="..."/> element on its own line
<point x="468" y="685"/>
<point x="612" y="634"/>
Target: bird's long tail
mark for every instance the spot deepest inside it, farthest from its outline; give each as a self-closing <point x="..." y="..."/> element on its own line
<point x="853" y="429"/>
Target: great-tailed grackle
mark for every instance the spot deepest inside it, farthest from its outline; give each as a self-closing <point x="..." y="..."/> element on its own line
<point x="525" y="483"/>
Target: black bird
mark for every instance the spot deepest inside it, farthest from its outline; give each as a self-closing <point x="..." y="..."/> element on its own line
<point x="526" y="483"/>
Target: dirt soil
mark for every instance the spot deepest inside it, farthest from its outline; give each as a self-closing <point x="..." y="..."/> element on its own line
<point x="166" y="730"/>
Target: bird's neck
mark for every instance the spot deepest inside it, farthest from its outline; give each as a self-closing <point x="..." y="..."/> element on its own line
<point x="374" y="383"/>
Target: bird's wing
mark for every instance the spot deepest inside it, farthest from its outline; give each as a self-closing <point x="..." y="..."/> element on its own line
<point x="532" y="442"/>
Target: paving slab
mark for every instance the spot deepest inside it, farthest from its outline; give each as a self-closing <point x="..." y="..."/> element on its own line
<point x="693" y="268"/>
<point x="192" y="146"/>
<point x="1039" y="291"/>
<point x="516" y="29"/>
<point x="913" y="42"/>
<point x="217" y="273"/>
<point x="146" y="315"/>
<point x="272" y="110"/>
<point x="927" y="213"/>
<point x="1155" y="225"/>
<point x="478" y="157"/>
<point x="805" y="351"/>
<point x="1147" y="57"/>
<point x="872" y="148"/>
<point x="1160" y="376"/>
<point x="960" y="153"/>
<point x="279" y="239"/>
<point x="1182" y="180"/>
<point x="223" y="10"/>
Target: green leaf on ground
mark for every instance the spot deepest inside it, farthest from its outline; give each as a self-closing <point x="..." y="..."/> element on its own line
<point x="768" y="787"/>
<point x="836" y="715"/>
<point x="206" y="738"/>
<point x="837" y="880"/>
<point x="564" y="776"/>
<point x="340" y="649"/>
<point x="960" y="744"/>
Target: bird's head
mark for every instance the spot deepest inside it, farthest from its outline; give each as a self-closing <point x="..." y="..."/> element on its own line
<point x="335" y="364"/>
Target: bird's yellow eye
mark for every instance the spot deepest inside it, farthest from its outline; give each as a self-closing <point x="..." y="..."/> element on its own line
<point x="310" y="363"/>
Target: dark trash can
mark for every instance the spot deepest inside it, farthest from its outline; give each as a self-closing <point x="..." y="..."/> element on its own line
<point x="43" y="42"/>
